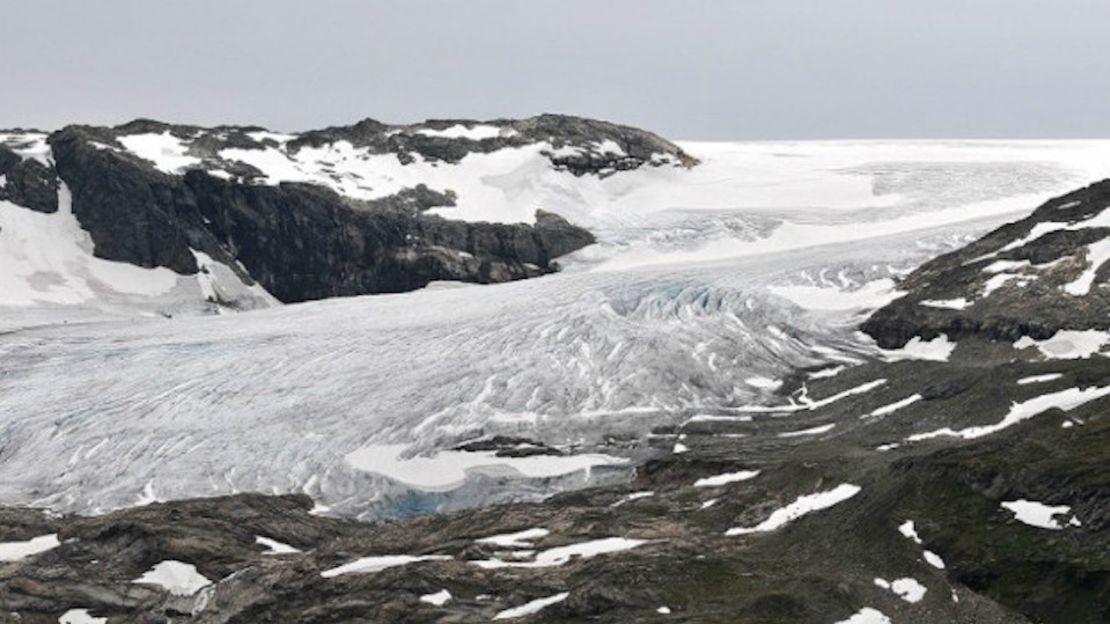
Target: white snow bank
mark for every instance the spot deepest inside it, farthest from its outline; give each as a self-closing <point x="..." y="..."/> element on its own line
<point x="933" y="559"/>
<point x="438" y="598"/>
<point x="726" y="478"/>
<point x="1065" y="399"/>
<point x="276" y="547"/>
<point x="166" y="151"/>
<point x="938" y="350"/>
<point x="531" y="607"/>
<point x="1067" y="344"/>
<point x="1040" y="515"/>
<point x="763" y="382"/>
<point x="520" y="539"/>
<point x="873" y="294"/>
<point x="1097" y="254"/>
<point x="378" y="563"/>
<point x="447" y="469"/>
<point x="908" y="530"/>
<point x="1039" y="378"/>
<point x="807" y="432"/>
<point x="476" y="132"/>
<point x="801" y="506"/>
<point x="176" y="577"/>
<point x="633" y="497"/>
<point x="562" y="554"/>
<point x="894" y="407"/>
<point x="867" y="615"/>
<point x="14" y="551"/>
<point x="907" y="588"/>
<point x="949" y="304"/>
<point x="80" y="616"/>
<point x="47" y="258"/>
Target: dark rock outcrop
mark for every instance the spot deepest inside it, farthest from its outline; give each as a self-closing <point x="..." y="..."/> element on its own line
<point x="299" y="241"/>
<point x="1012" y="280"/>
<point x="27" y="182"/>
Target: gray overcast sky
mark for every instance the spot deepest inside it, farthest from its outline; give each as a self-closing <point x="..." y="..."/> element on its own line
<point x="742" y="69"/>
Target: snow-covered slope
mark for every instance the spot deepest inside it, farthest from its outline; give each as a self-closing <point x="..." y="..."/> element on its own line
<point x="706" y="285"/>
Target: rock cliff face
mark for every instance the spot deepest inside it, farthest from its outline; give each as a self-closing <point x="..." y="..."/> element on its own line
<point x="325" y="213"/>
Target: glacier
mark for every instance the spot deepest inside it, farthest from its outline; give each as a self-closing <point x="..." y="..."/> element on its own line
<point x="743" y="268"/>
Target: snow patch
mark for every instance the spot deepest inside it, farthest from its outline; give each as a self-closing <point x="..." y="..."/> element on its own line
<point x="448" y="469"/>
<point x="167" y="152"/>
<point x="80" y="616"/>
<point x="1067" y="344"/>
<point x="949" y="304"/>
<point x="531" y="607"/>
<point x="907" y="588"/>
<point x="275" y="547"/>
<point x="726" y="478"/>
<point x="14" y="551"/>
<point x="801" y="506"/>
<point x="367" y="565"/>
<point x="1097" y="254"/>
<point x="938" y="350"/>
<point x="520" y="539"/>
<point x="1039" y="515"/>
<point x="867" y="615"/>
<point x="176" y="577"/>
<point x="438" y="599"/>
<point x="1065" y="400"/>
<point x="807" y="432"/>
<point x="560" y="555"/>
<point x="1039" y="378"/>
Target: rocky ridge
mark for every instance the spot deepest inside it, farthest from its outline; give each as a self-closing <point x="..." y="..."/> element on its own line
<point x="961" y="479"/>
<point x="304" y="220"/>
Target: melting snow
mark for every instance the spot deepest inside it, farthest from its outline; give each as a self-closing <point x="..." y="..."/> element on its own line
<point x="14" y="551"/>
<point x="438" y="599"/>
<point x="950" y="304"/>
<point x="907" y="529"/>
<point x="1039" y="378"/>
<point x="633" y="496"/>
<point x="1097" y="254"/>
<point x="276" y="547"/>
<point x="448" y="469"/>
<point x="378" y="563"/>
<point x="893" y="407"/>
<point x="1039" y="515"/>
<point x="807" y="432"/>
<point x="938" y="349"/>
<point x="867" y="615"/>
<point x="871" y="295"/>
<point x="801" y="506"/>
<point x="1067" y="344"/>
<point x="176" y="577"/>
<point x="532" y="607"/>
<point x="562" y="554"/>
<point x="80" y="616"/>
<point x="520" y="539"/>
<point x="166" y="151"/>
<point x="459" y="131"/>
<point x="933" y="559"/>
<point x="907" y="588"/>
<point x="1065" y="399"/>
<point x="726" y="478"/>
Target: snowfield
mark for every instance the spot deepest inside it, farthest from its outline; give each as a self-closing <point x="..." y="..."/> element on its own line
<point x="362" y="402"/>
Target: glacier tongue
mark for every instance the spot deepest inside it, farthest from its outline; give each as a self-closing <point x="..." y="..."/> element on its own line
<point x="278" y="400"/>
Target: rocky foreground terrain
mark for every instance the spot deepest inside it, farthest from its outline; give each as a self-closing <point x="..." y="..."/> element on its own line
<point x="959" y="475"/>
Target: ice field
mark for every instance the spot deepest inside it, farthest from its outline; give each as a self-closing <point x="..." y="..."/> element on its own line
<point x="706" y="286"/>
